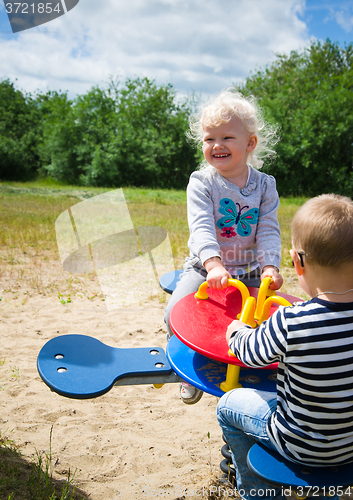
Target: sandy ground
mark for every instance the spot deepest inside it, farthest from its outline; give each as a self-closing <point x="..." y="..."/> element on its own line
<point x="134" y="442"/>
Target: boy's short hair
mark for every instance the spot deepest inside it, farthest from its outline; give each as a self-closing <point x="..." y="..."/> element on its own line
<point x="323" y="229"/>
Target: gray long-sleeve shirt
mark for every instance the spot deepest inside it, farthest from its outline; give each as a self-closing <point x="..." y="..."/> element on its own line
<point x="238" y="225"/>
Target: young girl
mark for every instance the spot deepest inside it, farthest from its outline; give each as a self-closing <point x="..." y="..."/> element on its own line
<point x="231" y="207"/>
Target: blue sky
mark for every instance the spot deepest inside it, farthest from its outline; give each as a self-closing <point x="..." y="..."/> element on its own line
<point x="196" y="45"/>
<point x="330" y="19"/>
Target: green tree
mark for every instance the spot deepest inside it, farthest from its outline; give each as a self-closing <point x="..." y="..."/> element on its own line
<point x="59" y="137"/>
<point x="134" y="135"/>
<point x="310" y="95"/>
<point x="19" y="137"/>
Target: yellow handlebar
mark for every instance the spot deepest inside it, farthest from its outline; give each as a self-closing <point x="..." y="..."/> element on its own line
<point x="264" y="292"/>
<point x="252" y="312"/>
<point x="281" y="301"/>
<point x="247" y="312"/>
<point x="202" y="294"/>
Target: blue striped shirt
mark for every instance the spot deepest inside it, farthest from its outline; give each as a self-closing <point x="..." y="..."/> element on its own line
<point x="313" y="344"/>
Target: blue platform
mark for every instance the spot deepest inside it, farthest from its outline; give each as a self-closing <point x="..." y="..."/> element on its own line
<point x="82" y="367"/>
<point x="207" y="374"/>
<point x="273" y="469"/>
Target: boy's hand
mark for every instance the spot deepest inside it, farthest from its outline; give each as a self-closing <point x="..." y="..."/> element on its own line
<point x="217" y="275"/>
<point x="233" y="327"/>
<point x="277" y="280"/>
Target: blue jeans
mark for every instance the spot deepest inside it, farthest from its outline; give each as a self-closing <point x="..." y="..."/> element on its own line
<point x="243" y="415"/>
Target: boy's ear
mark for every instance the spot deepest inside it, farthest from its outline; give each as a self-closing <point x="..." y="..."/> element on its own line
<point x="296" y="262"/>
<point x="252" y="143"/>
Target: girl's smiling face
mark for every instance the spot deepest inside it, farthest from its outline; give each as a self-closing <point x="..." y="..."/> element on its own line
<point x="227" y="146"/>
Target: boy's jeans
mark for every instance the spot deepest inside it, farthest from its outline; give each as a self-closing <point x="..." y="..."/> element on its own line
<point x="243" y="415"/>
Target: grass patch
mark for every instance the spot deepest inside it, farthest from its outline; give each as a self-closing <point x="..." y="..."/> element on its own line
<point x="21" y="479"/>
<point x="28" y="250"/>
<point x="286" y="212"/>
<point x="27" y="225"/>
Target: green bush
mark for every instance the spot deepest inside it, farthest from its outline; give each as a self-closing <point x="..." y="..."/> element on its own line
<point x="19" y="117"/>
<point x="310" y="95"/>
<point x="134" y="134"/>
<point x="119" y="137"/>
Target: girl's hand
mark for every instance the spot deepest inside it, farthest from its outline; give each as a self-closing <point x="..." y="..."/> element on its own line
<point x="277" y="280"/>
<point x="218" y="278"/>
<point x="217" y="275"/>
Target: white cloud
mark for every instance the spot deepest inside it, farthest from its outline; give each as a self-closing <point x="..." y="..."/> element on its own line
<point x="200" y="45"/>
<point x="344" y="19"/>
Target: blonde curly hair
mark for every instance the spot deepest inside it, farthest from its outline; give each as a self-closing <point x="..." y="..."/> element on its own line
<point x="222" y="108"/>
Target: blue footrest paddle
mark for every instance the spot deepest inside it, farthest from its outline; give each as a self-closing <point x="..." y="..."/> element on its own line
<point x="169" y="281"/>
<point x="81" y="367"/>
<point x="207" y="374"/>
<point x="273" y="469"/>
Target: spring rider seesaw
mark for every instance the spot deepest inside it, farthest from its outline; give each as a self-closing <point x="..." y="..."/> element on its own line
<point x="82" y="367"/>
<point x="97" y="234"/>
<point x="199" y="353"/>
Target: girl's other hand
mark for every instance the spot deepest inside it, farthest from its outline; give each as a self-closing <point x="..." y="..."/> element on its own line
<point x="277" y="280"/>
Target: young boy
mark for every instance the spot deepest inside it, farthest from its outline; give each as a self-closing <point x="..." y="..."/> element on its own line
<point x="310" y="420"/>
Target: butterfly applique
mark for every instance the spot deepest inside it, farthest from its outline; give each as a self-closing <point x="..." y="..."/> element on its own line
<point x="234" y="216"/>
